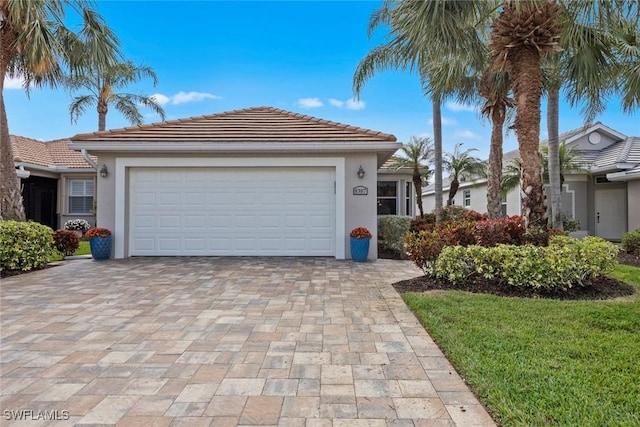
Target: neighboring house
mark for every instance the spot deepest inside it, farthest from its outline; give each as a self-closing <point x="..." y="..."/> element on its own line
<point x="258" y="181"/>
<point x="606" y="200"/>
<point x="57" y="183"/>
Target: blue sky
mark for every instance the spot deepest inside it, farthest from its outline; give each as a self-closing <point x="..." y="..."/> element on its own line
<point x="214" y="56"/>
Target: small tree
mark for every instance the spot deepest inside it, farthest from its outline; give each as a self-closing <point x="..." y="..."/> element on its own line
<point x="462" y="165"/>
<point x="416" y="155"/>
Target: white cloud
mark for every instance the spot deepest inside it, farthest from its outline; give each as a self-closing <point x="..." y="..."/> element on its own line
<point x="13" y="82"/>
<point x="161" y="99"/>
<point x="445" y="121"/>
<point x="352" y="104"/>
<point x="457" y="107"/>
<point x="466" y="134"/>
<point x="310" y="103"/>
<point x="183" y="97"/>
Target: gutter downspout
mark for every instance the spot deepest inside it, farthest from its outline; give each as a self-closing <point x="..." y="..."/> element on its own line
<point x="88" y="159"/>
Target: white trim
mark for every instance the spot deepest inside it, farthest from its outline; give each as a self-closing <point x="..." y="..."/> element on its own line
<point x="598" y="126"/>
<point x="217" y="147"/>
<point x="573" y="199"/>
<point x="121" y="190"/>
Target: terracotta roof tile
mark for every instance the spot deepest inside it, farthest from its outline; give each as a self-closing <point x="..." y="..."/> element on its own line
<point x="51" y="153"/>
<point x="258" y="124"/>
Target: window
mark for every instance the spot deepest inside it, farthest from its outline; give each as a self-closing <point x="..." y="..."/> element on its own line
<point x="503" y="208"/>
<point x="408" y="206"/>
<point x="80" y="196"/>
<point x="466" y="198"/>
<point x="387" y="198"/>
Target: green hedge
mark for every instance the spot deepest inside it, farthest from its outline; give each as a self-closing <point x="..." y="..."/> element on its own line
<point x="566" y="262"/>
<point x="24" y="245"/>
<point x="631" y="242"/>
<point x="392" y="230"/>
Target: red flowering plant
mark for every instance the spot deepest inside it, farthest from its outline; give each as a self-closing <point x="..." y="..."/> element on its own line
<point x="97" y="232"/>
<point x="361" y="233"/>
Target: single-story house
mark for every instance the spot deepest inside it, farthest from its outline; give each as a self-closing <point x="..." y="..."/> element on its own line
<point x="57" y="183"/>
<point x="605" y="199"/>
<point x="257" y="181"/>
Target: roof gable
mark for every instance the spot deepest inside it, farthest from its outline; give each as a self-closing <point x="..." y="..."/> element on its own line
<point x="258" y="124"/>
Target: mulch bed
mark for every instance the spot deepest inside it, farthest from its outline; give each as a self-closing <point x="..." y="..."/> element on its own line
<point x="598" y="289"/>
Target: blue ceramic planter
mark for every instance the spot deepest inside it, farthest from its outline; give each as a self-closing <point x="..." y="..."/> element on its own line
<point x="100" y="247"/>
<point x="359" y="249"/>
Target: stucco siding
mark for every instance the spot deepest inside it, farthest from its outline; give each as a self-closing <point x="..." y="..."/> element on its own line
<point x="633" y="198"/>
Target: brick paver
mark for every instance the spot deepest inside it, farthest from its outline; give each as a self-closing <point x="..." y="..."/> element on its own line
<point x="222" y="342"/>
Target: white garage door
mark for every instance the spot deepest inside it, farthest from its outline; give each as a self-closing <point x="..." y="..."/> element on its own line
<point x="239" y="211"/>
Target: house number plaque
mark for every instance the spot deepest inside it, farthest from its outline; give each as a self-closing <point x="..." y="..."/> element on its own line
<point x="360" y="190"/>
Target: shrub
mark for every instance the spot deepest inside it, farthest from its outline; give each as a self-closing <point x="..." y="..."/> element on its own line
<point x="425" y="223"/>
<point x="358" y="233"/>
<point x="569" y="223"/>
<point x="392" y="232"/>
<point x="566" y="262"/>
<point x="453" y="213"/>
<point x="24" y="245"/>
<point x="77" y="224"/>
<point x="65" y="241"/>
<point x="631" y="242"/>
<point x="456" y="233"/>
<point x="505" y="230"/>
<point x="423" y="248"/>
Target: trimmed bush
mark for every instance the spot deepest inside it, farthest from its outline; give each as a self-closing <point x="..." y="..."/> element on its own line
<point x="631" y="242"/>
<point x="566" y="262"/>
<point x="24" y="245"/>
<point x="65" y="241"/>
<point x="392" y="230"/>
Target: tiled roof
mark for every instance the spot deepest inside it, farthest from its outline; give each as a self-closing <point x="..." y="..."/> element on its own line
<point x="258" y="124"/>
<point x="51" y="153"/>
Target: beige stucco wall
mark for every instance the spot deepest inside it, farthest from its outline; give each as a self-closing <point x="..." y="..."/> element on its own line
<point x="360" y="211"/>
<point x="633" y="203"/>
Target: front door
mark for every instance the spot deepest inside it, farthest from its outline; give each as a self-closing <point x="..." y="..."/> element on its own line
<point x="611" y="213"/>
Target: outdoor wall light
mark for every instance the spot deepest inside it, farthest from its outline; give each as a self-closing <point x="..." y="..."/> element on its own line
<point x="104" y="171"/>
<point x="360" y="172"/>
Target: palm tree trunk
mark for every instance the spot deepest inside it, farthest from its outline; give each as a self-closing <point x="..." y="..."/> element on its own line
<point x="417" y="184"/>
<point x="526" y="76"/>
<point x="11" y="205"/>
<point x="494" y="180"/>
<point x="555" y="181"/>
<point x="103" y="107"/>
<point x="453" y="189"/>
<point x="437" y="153"/>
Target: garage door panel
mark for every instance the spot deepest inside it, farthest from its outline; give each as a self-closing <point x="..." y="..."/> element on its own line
<point x="241" y="211"/>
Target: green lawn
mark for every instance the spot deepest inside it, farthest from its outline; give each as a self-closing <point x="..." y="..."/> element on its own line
<point x="83" y="249"/>
<point x="536" y="362"/>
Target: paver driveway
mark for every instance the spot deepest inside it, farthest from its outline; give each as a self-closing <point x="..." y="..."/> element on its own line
<point x="223" y="341"/>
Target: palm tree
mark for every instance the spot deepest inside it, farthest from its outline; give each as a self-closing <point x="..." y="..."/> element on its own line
<point x="425" y="35"/>
<point x="416" y="155"/>
<point x="462" y="165"/>
<point x="36" y="45"/>
<point x="102" y="82"/>
<point x="568" y="161"/>
<point x="494" y="87"/>
<point x="522" y="34"/>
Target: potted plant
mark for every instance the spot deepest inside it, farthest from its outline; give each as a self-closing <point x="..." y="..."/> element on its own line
<point x="360" y="238"/>
<point x="79" y="226"/>
<point x="100" y="242"/>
